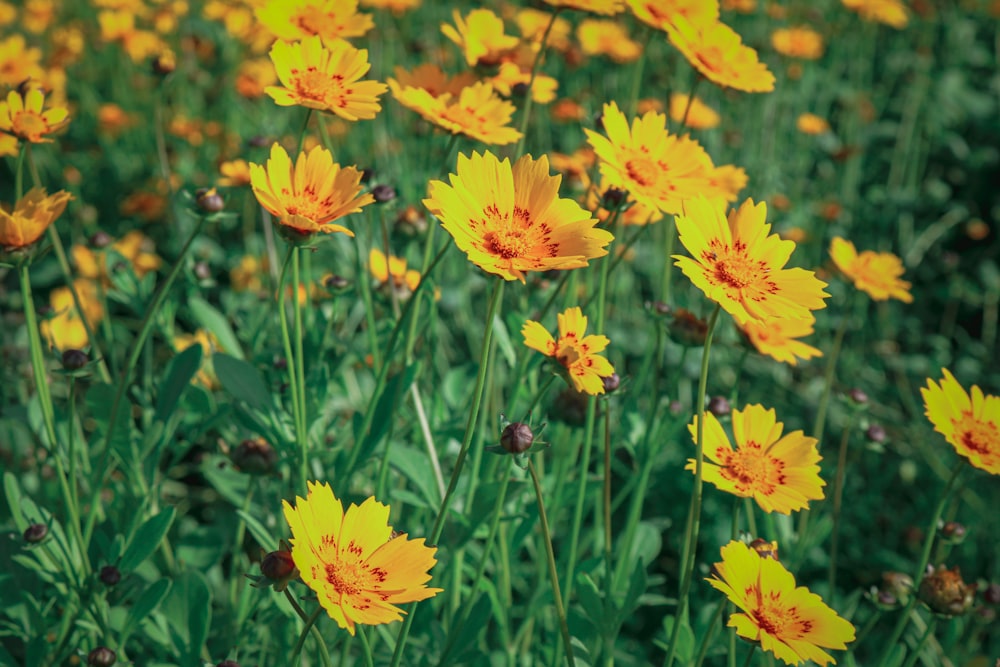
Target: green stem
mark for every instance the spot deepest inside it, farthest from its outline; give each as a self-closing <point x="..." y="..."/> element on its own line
<point x="529" y="96"/>
<point x="290" y="366"/>
<point x="668" y="251"/>
<point x="308" y="628"/>
<point x="302" y="427"/>
<point x="48" y="414"/>
<point x="553" y="574"/>
<point x="690" y="103"/>
<point x="928" y="633"/>
<point x="470" y="427"/>
<point x="305" y="127"/>
<point x="366" y="296"/>
<point x="838" y="495"/>
<point x="640" y="64"/>
<point x="925" y="555"/>
<point x="145" y="329"/>
<point x="366" y="648"/>
<point x="694" y="515"/>
<point x="709" y="631"/>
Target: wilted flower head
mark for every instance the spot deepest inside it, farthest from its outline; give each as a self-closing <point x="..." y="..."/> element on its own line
<point x="944" y="591"/>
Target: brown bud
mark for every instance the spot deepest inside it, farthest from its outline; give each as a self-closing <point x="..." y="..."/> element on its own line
<point x="255" y="457"/>
<point x="857" y="396"/>
<point x="383" y="194"/>
<point x="944" y="591"/>
<point x="278" y="569"/>
<point x="953" y="532"/>
<point x="74" y="360"/>
<point x="992" y="594"/>
<point x="110" y="575"/>
<point x="35" y="533"/>
<point x="719" y="406"/>
<point x="209" y="200"/>
<point x="611" y="383"/>
<point x="517" y="438"/>
<point x="101" y="656"/>
<point x="876" y="433"/>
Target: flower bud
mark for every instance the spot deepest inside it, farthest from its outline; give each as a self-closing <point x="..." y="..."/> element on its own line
<point x="255" y="457"/>
<point x="367" y="174"/>
<point x="953" y="532"/>
<point x="335" y="282"/>
<point x="517" y="438"/>
<point x="519" y="90"/>
<point x="411" y="221"/>
<point x="202" y="271"/>
<point x="278" y="569"/>
<point x="260" y="141"/>
<point x="719" y="406"/>
<point x="101" y="656"/>
<point x="209" y="200"/>
<point x="74" y="360"/>
<point x="383" y="194"/>
<point x="613" y="198"/>
<point x="886" y="600"/>
<point x="611" y="383"/>
<point x="110" y="575"/>
<point x="876" y="433"/>
<point x="857" y="396"/>
<point x="765" y="549"/>
<point x="944" y="591"/>
<point x="165" y="63"/>
<point x="35" y="533"/>
<point x="228" y="663"/>
<point x="100" y="239"/>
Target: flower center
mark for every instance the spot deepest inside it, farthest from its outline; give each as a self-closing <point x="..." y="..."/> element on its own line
<point x="749" y="465"/>
<point x="315" y="85"/>
<point x="977" y="436"/>
<point x="347" y="578"/>
<point x="514" y="235"/>
<point x="737" y="270"/>
<point x="772" y="617"/>
<point x="643" y="171"/>
<point x="28" y="124"/>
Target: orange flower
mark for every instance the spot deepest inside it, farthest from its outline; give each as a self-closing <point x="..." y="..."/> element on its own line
<point x="699" y="116"/>
<point x="32" y="215"/>
<point x="330" y="19"/>
<point x="808" y="123"/>
<point x="24" y="117"/>
<point x="718" y="53"/>
<point x="777" y="338"/>
<point x="890" y="12"/>
<point x="798" y="42"/>
<point x="875" y="273"/>
<point x="658" y="13"/>
<point x="481" y="37"/>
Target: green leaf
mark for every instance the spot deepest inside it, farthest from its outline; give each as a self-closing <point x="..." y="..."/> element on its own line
<point x="15" y="502"/>
<point x="242" y="381"/>
<point x="146" y="540"/>
<point x="646" y="545"/>
<point x="685" y="639"/>
<point x="216" y="323"/>
<point x="181" y="369"/>
<point x="591" y="600"/>
<point x="144" y="606"/>
<point x="504" y="344"/>
<point x="415" y="465"/>
<point x="188" y="609"/>
<point x="386" y="408"/>
<point x="636" y="587"/>
<point x="260" y="533"/>
<point x="100" y="398"/>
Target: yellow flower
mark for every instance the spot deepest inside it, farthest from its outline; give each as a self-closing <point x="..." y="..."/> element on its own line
<point x="736" y="263"/>
<point x="246" y="275"/>
<point x="788" y="621"/>
<point x="808" y="123"/>
<point x="512" y="73"/>
<point x="798" y="42"/>
<point x="659" y="169"/>
<point x="601" y="37"/>
<point x="8" y="145"/>
<point x="576" y="352"/>
<point x="890" y="12"/>
<point x="478" y="112"/>
<point x="308" y="197"/>
<point x="325" y="78"/>
<point x="395" y="6"/>
<point x="875" y="273"/>
<point x="699" y="117"/>
<point x="532" y="23"/>
<point x="431" y="78"/>
<point x="511" y="220"/>
<point x="603" y="7"/>
<point x="481" y="37"/>
<point x="32" y="215"/>
<point x="357" y="568"/>
<point x="235" y="173"/>
<point x="330" y="19"/>
<point x="780" y="473"/>
<point x="18" y="61"/>
<point x="777" y="338"/>
<point x="718" y="53"/>
<point x="726" y="181"/>
<point x="255" y="76"/>
<point x="65" y="330"/>
<point x="657" y="13"/>
<point x="112" y="119"/>
<point x="23" y="116"/>
<point x="971" y="425"/>
<point x="393" y="272"/>
<point x="135" y="247"/>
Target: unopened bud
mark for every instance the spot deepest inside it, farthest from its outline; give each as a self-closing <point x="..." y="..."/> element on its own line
<point x="35" y="533"/>
<point x="897" y="584"/>
<point x="517" y="438"/>
<point x="228" y="663"/>
<point x="992" y="594"/>
<point x="383" y="193"/>
<point x="876" y="433"/>
<point x="165" y="63"/>
<point x="101" y="656"/>
<point x="110" y="575"/>
<point x="944" y="591"/>
<point x="953" y="532"/>
<point x="857" y="396"/>
<point x="719" y="406"/>
<point x="100" y="239"/>
<point x="613" y="198"/>
<point x="335" y="282"/>
<point x="367" y="174"/>
<point x="278" y="569"/>
<point x="209" y="200"/>
<point x="202" y="271"/>
<point x="74" y="360"/>
<point x="255" y="457"/>
<point x="611" y="382"/>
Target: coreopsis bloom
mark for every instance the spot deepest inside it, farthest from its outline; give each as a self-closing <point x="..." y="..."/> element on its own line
<point x="517" y="71"/>
<point x="657" y="13"/>
<point x="718" y="53"/>
<point x="135" y="247"/>
<point x="808" y="123"/>
<point x="574" y="351"/>
<point x="791" y="622"/>
<point x="392" y="271"/>
<point x="481" y="37"/>
<point x="509" y="220"/>
<point x="726" y="181"/>
<point x="970" y="424"/>
<point x="431" y="78"/>
<point x="235" y="173"/>
<point x="308" y="197"/>
<point x="798" y="42"/>
<point x="738" y="264"/>
<point x="658" y="169"/>
<point x="31" y="216"/>
<point x="875" y="273"/>
<point x="324" y="77"/>
<point x="694" y="114"/>
<point x="25" y="118"/>
<point x="890" y="12"/>
<point x="477" y="112"/>
<point x="18" y="61"/>
<point x="780" y="473"/>
<point x="601" y="37"/>
<point x="532" y="24"/>
<point x="603" y="7"/>
<point x="395" y="6"/>
<point x="112" y="119"/>
<point x="119" y="26"/>
<point x="354" y="562"/>
<point x="65" y="330"/>
<point x="247" y="275"/>
<point x="330" y="19"/>
<point x="777" y="338"/>
<point x="254" y="76"/>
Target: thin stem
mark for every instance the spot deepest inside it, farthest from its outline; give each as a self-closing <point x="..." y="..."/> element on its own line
<point x="928" y="633"/>
<point x="309" y="627"/>
<point x="753" y="648"/>
<point x="470" y="427"/>
<point x="107" y="464"/>
<point x="640" y="64"/>
<point x="838" y="495"/>
<point x="690" y="103"/>
<point x="553" y="575"/>
<point x="925" y="555"/>
<point x="709" y="631"/>
<point x="529" y="96"/>
<point x="305" y="127"/>
<point x="48" y="414"/>
<point x="290" y="366"/>
<point x="366" y="648"/>
<point x="300" y="374"/>
<point x="694" y="515"/>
